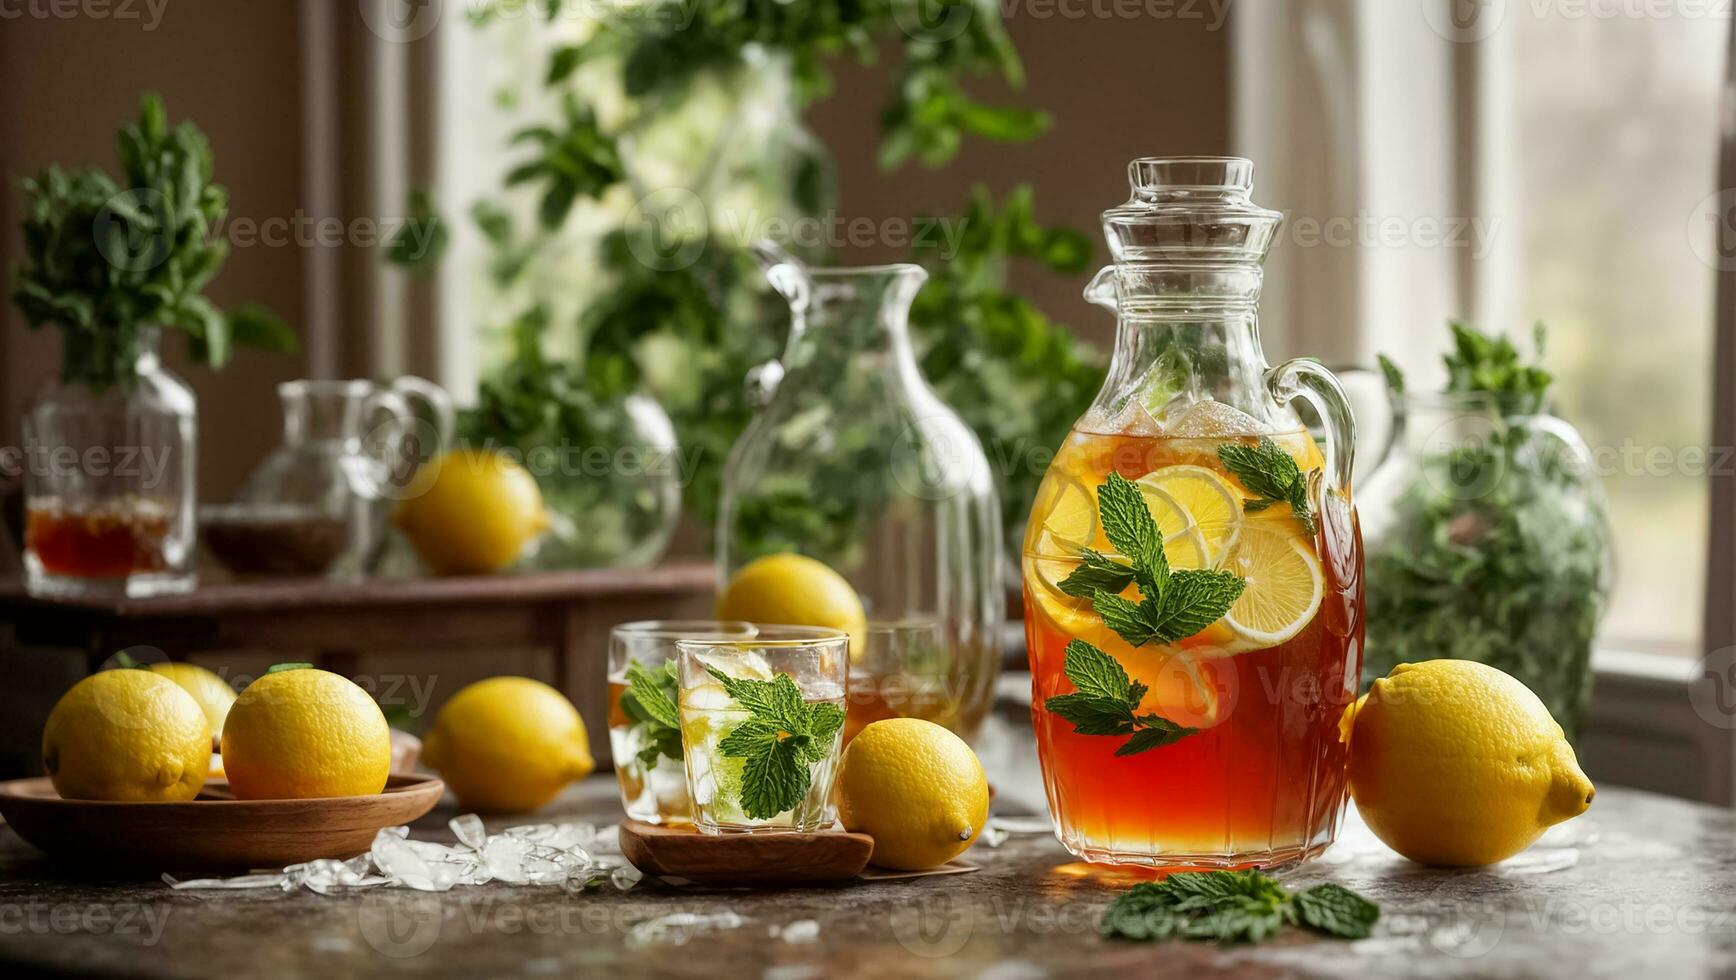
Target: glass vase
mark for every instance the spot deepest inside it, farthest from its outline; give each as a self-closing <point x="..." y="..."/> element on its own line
<point x="854" y="461"/>
<point x="109" y="485"/>
<point x="1487" y="541"/>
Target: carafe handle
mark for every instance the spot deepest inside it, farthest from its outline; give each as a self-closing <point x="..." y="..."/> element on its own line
<point x="1395" y="409"/>
<point x="379" y="445"/>
<point x="439" y="405"/>
<point x="1309" y="380"/>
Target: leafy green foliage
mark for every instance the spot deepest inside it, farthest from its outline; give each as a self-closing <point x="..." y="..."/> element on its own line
<point x="1233" y="907"/>
<point x="1337" y="911"/>
<point x="650" y="701"/>
<point x="1498" y="548"/>
<point x="1490" y="364"/>
<point x="423" y="240"/>
<point x="690" y="335"/>
<point x="1017" y="378"/>
<point x="574" y="161"/>
<point x="1173" y="605"/>
<point x="105" y="261"/>
<point x="781" y="739"/>
<point x="1272" y="475"/>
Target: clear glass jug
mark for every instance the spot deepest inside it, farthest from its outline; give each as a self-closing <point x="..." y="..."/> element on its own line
<point x="1187" y="697"/>
<point x="347" y="446"/>
<point x="854" y="461"/>
<point x="1487" y="541"/>
<point x="109" y="485"/>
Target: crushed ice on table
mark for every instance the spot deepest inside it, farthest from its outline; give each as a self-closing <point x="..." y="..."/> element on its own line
<point x="680" y="927"/>
<point x="992" y="835"/>
<point x="537" y="854"/>
<point x="799" y="931"/>
<point x="625" y="877"/>
<point x="1022" y="826"/>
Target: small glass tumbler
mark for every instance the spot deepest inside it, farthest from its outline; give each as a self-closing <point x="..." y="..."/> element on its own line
<point x="653" y="781"/>
<point x="780" y="782"/>
<point x="903" y="671"/>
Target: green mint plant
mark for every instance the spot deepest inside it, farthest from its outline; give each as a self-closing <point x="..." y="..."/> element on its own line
<point x="1513" y="574"/>
<point x="650" y="701"/>
<point x="1174" y="605"/>
<point x="780" y="740"/>
<point x="1233" y="907"/>
<point x="106" y="260"/>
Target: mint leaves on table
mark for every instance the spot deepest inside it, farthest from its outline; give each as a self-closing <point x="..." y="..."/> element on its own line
<point x="1272" y="476"/>
<point x="1233" y="907"/>
<point x="649" y="701"/>
<point x="1173" y="606"/>
<point x="783" y="736"/>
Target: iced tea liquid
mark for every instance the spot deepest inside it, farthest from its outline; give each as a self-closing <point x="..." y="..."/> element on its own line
<point x="1262" y="780"/>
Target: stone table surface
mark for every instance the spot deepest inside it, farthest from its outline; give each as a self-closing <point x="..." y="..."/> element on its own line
<point x="1642" y="886"/>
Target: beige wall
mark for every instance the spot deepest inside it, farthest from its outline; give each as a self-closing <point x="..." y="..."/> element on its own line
<point x="1117" y="89"/>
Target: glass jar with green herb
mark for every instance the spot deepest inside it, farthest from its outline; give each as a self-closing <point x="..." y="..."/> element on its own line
<point x="109" y="447"/>
<point x="1485" y="530"/>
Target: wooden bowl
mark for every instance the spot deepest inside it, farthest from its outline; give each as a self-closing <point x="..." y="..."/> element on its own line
<point x="775" y="859"/>
<point x="214" y="832"/>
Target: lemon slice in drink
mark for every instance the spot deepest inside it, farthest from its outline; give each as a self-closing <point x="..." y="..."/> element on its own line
<point x="1072" y="517"/>
<point x="1179" y="686"/>
<point x="1208" y="500"/>
<point x="1284" y="585"/>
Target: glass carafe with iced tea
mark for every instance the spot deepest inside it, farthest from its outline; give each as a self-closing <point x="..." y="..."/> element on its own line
<point x="1192" y="566"/>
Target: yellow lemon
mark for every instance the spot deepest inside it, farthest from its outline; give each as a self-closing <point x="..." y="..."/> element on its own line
<point x="305" y="734"/>
<point x="211" y="691"/>
<point x="508" y="744"/>
<point x="1455" y="763"/>
<point x="475" y="514"/>
<point x="128" y="735"/>
<point x="914" y="787"/>
<point x="794" y="590"/>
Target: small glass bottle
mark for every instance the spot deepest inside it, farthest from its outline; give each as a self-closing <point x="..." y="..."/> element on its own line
<point x="110" y="484"/>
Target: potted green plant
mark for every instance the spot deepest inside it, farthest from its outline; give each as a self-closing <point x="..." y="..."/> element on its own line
<point x="110" y="446"/>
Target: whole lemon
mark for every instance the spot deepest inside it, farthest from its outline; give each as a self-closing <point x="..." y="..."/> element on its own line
<point x="127" y="735"/>
<point x="212" y="692"/>
<point x="476" y="513"/>
<point x="914" y="787"/>
<point x="508" y="744"/>
<point x="794" y="590"/>
<point x="1454" y="763"/>
<point x="305" y="734"/>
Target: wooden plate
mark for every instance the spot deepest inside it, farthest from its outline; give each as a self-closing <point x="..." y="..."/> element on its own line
<point x="214" y="832"/>
<point x="745" y="859"/>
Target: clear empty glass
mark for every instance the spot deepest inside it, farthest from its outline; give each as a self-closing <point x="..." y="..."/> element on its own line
<point x="720" y="781"/>
<point x="904" y="670"/>
<point x="653" y="782"/>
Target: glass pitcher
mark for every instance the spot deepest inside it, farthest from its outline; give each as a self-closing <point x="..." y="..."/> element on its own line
<point x="346" y="446"/>
<point x="1487" y="541"/>
<point x="854" y="461"/>
<point x="1191" y="658"/>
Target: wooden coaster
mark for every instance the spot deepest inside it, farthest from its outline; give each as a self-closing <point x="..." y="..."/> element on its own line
<point x="744" y="859"/>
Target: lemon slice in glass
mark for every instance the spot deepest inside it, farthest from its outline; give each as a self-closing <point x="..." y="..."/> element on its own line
<point x="1208" y="500"/>
<point x="1284" y="585"/>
